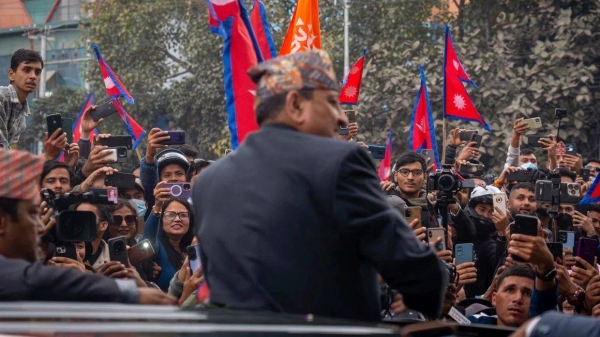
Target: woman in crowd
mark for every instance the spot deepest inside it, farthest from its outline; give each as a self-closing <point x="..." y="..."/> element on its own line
<point x="170" y="230"/>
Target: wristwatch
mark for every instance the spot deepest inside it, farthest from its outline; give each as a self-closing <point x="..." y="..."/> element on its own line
<point x="156" y="213"/>
<point x="551" y="275"/>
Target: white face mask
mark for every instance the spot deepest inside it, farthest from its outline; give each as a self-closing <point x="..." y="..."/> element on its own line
<point x="140" y="206"/>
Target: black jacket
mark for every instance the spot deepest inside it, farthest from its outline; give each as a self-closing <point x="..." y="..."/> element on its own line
<point x="25" y="281"/>
<point x="296" y="223"/>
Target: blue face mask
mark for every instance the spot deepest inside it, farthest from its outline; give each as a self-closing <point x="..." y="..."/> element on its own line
<point x="140" y="206"/>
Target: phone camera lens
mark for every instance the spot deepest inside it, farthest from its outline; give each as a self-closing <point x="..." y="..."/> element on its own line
<point x="408" y="213"/>
<point x="187" y="187"/>
<point x="119" y="247"/>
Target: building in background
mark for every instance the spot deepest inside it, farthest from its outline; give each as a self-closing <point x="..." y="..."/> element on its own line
<point x="53" y="26"/>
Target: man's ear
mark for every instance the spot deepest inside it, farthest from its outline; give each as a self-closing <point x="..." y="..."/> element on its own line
<point x="508" y="203"/>
<point x="494" y="299"/>
<point x="11" y="75"/>
<point x="293" y="110"/>
<point x="103" y="226"/>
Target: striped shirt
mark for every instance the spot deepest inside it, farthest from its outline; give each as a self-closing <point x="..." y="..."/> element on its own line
<point x="12" y="116"/>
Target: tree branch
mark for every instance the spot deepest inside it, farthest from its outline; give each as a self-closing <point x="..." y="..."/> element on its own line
<point x="184" y="64"/>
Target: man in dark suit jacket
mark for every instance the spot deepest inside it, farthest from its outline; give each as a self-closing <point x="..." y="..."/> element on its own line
<point x="24" y="279"/>
<point x="295" y="221"/>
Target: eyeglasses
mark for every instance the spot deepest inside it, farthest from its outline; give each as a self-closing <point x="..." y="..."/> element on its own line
<point x="593" y="168"/>
<point x="172" y="215"/>
<point x="129" y="220"/>
<point x="415" y="173"/>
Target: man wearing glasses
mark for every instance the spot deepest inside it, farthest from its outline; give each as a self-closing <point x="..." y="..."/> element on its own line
<point x="409" y="174"/>
<point x="594" y="166"/>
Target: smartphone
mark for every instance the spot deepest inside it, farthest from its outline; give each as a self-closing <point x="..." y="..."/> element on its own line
<point x="177" y="138"/>
<point x="533" y="123"/>
<point x="118" y="154"/>
<point x="428" y="153"/>
<point x="586" y="249"/>
<point x="475" y="170"/>
<point x="67" y="126"/>
<point x="467" y="134"/>
<point x="193" y="253"/>
<point x="522" y="175"/>
<point x="499" y="200"/>
<point x="571" y="149"/>
<point x="464" y="253"/>
<point x="120" y="180"/>
<point x="351" y="114"/>
<point x="140" y="252"/>
<point x="525" y="225"/>
<point x="477" y="139"/>
<point x="569" y="192"/>
<point x="53" y="122"/>
<point x="556" y="248"/>
<point x="411" y="213"/>
<point x="533" y="141"/>
<point x="585" y="174"/>
<point x="117" y="249"/>
<point x="435" y="233"/>
<point x="343" y="131"/>
<point x="117" y="141"/>
<point x="567" y="238"/>
<point x="102" y="111"/>
<point x="377" y="151"/>
<point x="66" y="250"/>
<point x="179" y="190"/>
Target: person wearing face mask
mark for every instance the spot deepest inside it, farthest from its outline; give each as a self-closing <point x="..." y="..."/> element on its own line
<point x="136" y="197"/>
<point x="479" y="212"/>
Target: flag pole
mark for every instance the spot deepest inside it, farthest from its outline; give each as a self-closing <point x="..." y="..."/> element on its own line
<point x="445" y="140"/>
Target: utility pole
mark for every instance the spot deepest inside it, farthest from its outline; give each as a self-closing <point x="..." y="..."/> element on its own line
<point x="43" y="38"/>
<point x="346" y="37"/>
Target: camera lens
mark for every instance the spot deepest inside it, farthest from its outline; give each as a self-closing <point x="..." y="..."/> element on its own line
<point x="446" y="183"/>
<point x="408" y="213"/>
<point x="187" y="187"/>
<point x="119" y="247"/>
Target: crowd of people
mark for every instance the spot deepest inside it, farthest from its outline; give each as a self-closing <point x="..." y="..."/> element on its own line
<point x="296" y="221"/>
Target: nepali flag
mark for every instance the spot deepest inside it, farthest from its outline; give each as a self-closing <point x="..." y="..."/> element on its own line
<point x="385" y="168"/>
<point x="229" y="19"/>
<point x="422" y="130"/>
<point x="114" y="87"/>
<point x="89" y="101"/>
<point x="457" y="103"/>
<point x="203" y="293"/>
<point x="258" y="19"/>
<point x="133" y="128"/>
<point x="593" y="194"/>
<point x="351" y="87"/>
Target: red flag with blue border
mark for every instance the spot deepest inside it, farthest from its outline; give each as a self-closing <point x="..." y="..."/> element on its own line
<point x="422" y="128"/>
<point x="352" y="81"/>
<point x="241" y="52"/>
<point x="593" y="194"/>
<point x="89" y="101"/>
<point x="457" y="102"/>
<point x="385" y="167"/>
<point x="114" y="87"/>
<point x="258" y="18"/>
<point x="133" y="128"/>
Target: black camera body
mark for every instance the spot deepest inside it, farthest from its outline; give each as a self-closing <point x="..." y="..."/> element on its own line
<point x="72" y="225"/>
<point x="560" y="113"/>
<point x="447" y="183"/>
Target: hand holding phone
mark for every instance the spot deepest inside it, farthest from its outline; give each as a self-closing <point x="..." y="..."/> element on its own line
<point x="120" y="180"/>
<point x="179" y="190"/>
<point x="193" y="253"/>
<point x="140" y="252"/>
<point x="176" y="138"/>
<point x="463" y="253"/>
<point x="117" y="249"/>
<point x="433" y="234"/>
<point x="466" y="135"/>
<point x="477" y="139"/>
<point x="103" y="111"/>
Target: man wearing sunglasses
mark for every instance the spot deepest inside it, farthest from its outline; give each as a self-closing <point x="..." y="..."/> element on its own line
<point x="594" y="166"/>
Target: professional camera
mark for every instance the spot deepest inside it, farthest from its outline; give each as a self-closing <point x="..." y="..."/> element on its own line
<point x="447" y="183"/>
<point x="72" y="225"/>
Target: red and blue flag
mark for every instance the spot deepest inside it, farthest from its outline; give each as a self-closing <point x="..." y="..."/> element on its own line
<point x="593" y="194"/>
<point x="230" y="19"/>
<point x="133" y="128"/>
<point x="422" y="129"/>
<point x="258" y="18"/>
<point x="114" y="87"/>
<point x="457" y="103"/>
<point x="351" y="85"/>
<point x="385" y="167"/>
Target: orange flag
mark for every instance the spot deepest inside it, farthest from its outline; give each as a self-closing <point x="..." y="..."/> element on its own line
<point x="304" y="31"/>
